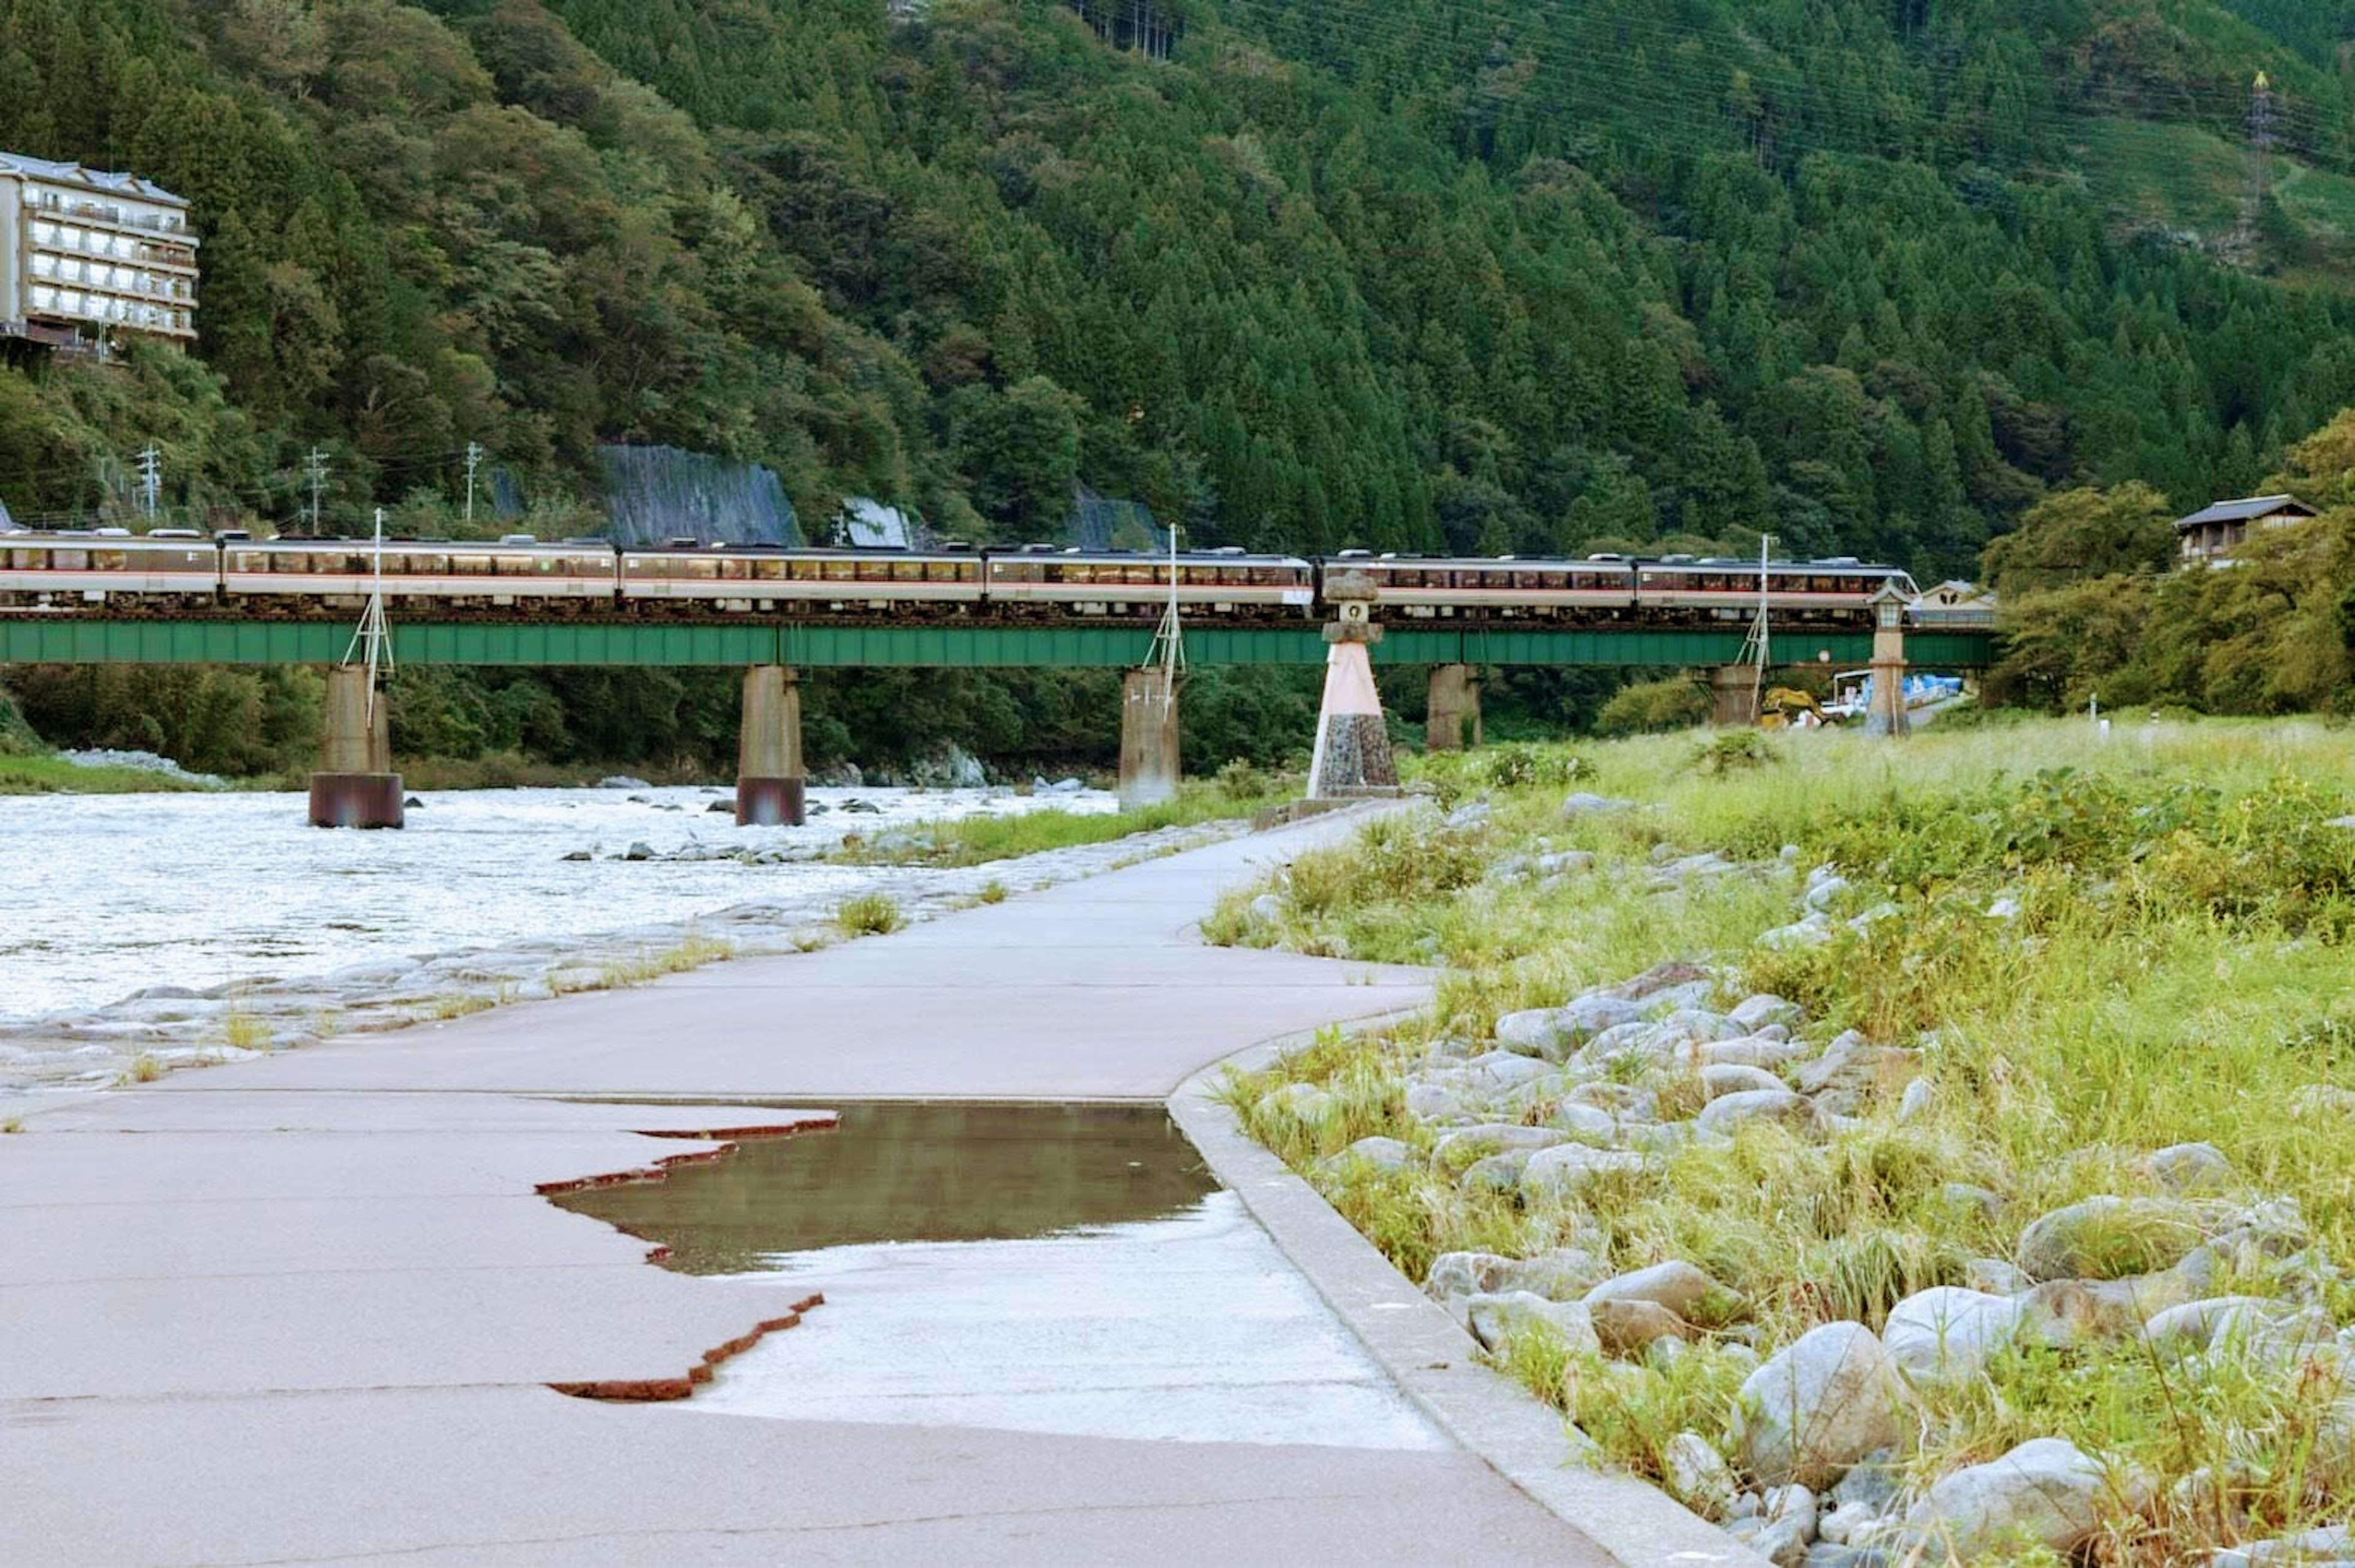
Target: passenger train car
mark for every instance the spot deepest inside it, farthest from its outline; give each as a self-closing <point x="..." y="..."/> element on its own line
<point x="182" y="572"/>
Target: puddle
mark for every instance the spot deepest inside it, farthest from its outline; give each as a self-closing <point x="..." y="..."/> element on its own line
<point x="1051" y="1269"/>
<point x="910" y="1173"/>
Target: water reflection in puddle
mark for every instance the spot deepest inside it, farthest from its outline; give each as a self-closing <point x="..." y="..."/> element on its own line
<point x="1056" y="1269"/>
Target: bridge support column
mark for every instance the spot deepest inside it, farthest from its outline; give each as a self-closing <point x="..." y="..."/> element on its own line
<point x="1886" y="714"/>
<point x="770" y="786"/>
<point x="354" y="786"/>
<point x="1451" y="715"/>
<point x="1149" y="768"/>
<point x="1733" y="693"/>
<point x="1353" y="744"/>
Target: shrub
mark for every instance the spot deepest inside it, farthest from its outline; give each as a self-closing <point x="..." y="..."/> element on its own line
<point x="869" y="914"/>
<point x="1649" y="706"/>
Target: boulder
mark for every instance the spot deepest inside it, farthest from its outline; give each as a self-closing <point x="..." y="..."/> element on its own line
<point x="1428" y="1101"/>
<point x="2331" y="1543"/>
<point x="2046" y="1492"/>
<point x="2321" y="1100"/>
<point x="1496" y="1320"/>
<point x="1753" y="1050"/>
<point x="1947" y="1334"/>
<point x="2190" y="1168"/>
<point x="1581" y="803"/>
<point x="1496" y="1172"/>
<point x="1914" y="1103"/>
<point x="1677" y="1286"/>
<point x="1820" y="1404"/>
<point x="1303" y="1101"/>
<point x="1554" y="1032"/>
<point x="1628" y="1328"/>
<point x="1660" y="978"/>
<point x="1698" y="1476"/>
<point x="1732" y="1078"/>
<point x="1565" y="1168"/>
<point x="1584" y="1122"/>
<point x="1763" y="1009"/>
<point x="1498" y="1070"/>
<point x="1466" y="1274"/>
<point x="2109" y="1237"/>
<point x="1378" y="1153"/>
<point x="1727" y="1111"/>
<point x="1822" y="890"/>
<point x="1558" y="1274"/>
<point x="1995" y="1276"/>
<point x="1853" y="1063"/>
<point x="2181" y="1330"/>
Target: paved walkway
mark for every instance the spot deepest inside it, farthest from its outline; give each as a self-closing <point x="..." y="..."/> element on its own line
<point x="311" y="1308"/>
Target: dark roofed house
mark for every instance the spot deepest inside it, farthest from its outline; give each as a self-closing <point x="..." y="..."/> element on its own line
<point x="2207" y="536"/>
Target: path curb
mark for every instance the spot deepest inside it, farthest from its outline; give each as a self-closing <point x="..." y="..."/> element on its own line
<point x="1427" y="1356"/>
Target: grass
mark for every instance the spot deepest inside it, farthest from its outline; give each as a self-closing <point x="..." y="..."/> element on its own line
<point x="49" y="775"/>
<point x="242" y="1031"/>
<point x="144" y="1068"/>
<point x="2175" y="972"/>
<point x="977" y="840"/>
<point x="11" y="1125"/>
<point x="869" y="914"/>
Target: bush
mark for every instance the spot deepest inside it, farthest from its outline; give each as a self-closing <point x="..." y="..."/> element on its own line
<point x="1736" y="751"/>
<point x="1513" y="766"/>
<point x="1651" y="706"/>
<point x="16" y="737"/>
<point x="869" y="914"/>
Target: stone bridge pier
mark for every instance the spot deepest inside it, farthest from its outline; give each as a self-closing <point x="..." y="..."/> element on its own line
<point x="1733" y="693"/>
<point x="354" y="786"/>
<point x="1149" y="768"/>
<point x="1451" y="715"/>
<point x="771" y="787"/>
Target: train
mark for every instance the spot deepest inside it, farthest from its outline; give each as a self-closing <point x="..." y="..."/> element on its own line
<point x="182" y="572"/>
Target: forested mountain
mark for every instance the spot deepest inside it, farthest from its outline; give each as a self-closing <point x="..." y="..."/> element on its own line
<point x="1512" y="274"/>
<point x="1876" y="276"/>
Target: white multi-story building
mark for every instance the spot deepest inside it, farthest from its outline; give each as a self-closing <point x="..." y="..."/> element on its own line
<point x="87" y="255"/>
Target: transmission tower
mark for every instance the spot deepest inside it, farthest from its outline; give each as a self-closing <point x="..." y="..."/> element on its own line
<point x="1756" y="646"/>
<point x="474" y="461"/>
<point x="372" y="642"/>
<point x="315" y="462"/>
<point x="2259" y="157"/>
<point x="151" y="480"/>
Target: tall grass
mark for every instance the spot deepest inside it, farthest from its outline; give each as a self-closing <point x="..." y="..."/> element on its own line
<point x="976" y="841"/>
<point x="2167" y="963"/>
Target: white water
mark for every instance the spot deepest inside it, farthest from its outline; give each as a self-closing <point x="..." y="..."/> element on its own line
<point x="102" y="895"/>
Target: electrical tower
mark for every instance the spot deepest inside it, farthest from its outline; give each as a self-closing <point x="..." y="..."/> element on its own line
<point x="1756" y="646"/>
<point x="474" y="461"/>
<point x="2259" y="156"/>
<point x="151" y="480"/>
<point x="315" y="462"/>
<point x="372" y="642"/>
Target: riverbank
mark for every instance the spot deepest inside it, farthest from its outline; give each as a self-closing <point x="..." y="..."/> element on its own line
<point x="47" y="774"/>
<point x="1994" y="1091"/>
<point x="331" y="935"/>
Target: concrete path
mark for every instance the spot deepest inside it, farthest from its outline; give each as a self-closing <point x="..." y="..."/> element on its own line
<point x="312" y="1307"/>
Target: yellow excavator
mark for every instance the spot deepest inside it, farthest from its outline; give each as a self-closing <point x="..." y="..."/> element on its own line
<point x="1784" y="708"/>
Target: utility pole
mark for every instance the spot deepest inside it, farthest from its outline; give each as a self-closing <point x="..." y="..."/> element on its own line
<point x="317" y="463"/>
<point x="473" y="459"/>
<point x="1756" y="646"/>
<point x="151" y="479"/>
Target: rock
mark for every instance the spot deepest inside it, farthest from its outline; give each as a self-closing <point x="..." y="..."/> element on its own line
<point x="1495" y="1320"/>
<point x="638" y="850"/>
<point x="1823" y="1402"/>
<point x="1660" y="978"/>
<point x="1434" y="1103"/>
<point x="1758" y="1011"/>
<point x="1629" y="1327"/>
<point x="1267" y="907"/>
<point x="623" y="780"/>
<point x="1496" y="1173"/>
<point x="2107" y="1237"/>
<point x="1873" y="1483"/>
<point x="2190" y="1168"/>
<point x="1553" y="1032"/>
<point x="1822" y="890"/>
<point x="2045" y="1492"/>
<point x="721" y="807"/>
<point x="2315" y="1547"/>
<point x="411" y="803"/>
<point x="1466" y="1274"/>
<point x="1693" y="1027"/>
<point x="2179" y="1330"/>
<point x="1698" y="1476"/>
<point x="1585" y="1123"/>
<point x="1303" y="1101"/>
<point x="1676" y="1284"/>
<point x="1843" y="1522"/>
<point x="1995" y="1276"/>
<point x="1378" y="1153"/>
<point x="1727" y="1111"/>
<point x="1946" y="1335"/>
<point x="1755" y="1051"/>
<point x="1498" y="1070"/>
<point x="1563" y="862"/>
<point x="1733" y="1078"/>
<point x="2318" y="1100"/>
<point x="1915" y="1103"/>
<point x="1558" y="1274"/>
<point x="860" y="806"/>
<point x="1563" y="1170"/>
<point x="1490" y="1137"/>
<point x="580" y="855"/>
<point x="2004" y="906"/>
<point x="1853" y="1063"/>
<point x="1060" y="786"/>
<point x="1580" y="802"/>
<point x="1965" y="1198"/>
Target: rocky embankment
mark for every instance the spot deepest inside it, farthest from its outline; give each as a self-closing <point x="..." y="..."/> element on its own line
<point x="167" y="1027"/>
<point x="1830" y="1457"/>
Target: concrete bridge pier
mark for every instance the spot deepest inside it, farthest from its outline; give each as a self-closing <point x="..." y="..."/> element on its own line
<point x="1149" y="768"/>
<point x="1451" y="715"/>
<point x="1733" y="693"/>
<point x="354" y="786"/>
<point x="770" y="785"/>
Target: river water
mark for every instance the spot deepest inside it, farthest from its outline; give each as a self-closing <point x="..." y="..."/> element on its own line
<point x="103" y="895"/>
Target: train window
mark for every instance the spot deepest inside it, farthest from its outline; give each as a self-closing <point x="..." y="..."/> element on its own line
<point x="770" y="568"/>
<point x="940" y="571"/>
<point x="426" y="565"/>
<point x="907" y="572"/>
<point x="470" y="566"/>
<point x="840" y="569"/>
<point x="803" y="570"/>
<point x="512" y="565"/>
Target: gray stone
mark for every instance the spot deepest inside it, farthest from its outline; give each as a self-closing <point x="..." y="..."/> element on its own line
<point x="1854" y="1063"/>
<point x="1676" y="1284"/>
<point x="1629" y="1327"/>
<point x="2332" y="1543"/>
<point x="1267" y="907"/>
<point x="1842" y="1521"/>
<point x="1553" y="1032"/>
<point x="2319" y="1100"/>
<point x="1580" y="802"/>
<point x="1693" y="1026"/>
<point x="1495" y="1319"/>
<point x="1492" y="1138"/>
<point x="1584" y="1122"/>
<point x="1698" y="1476"/>
<point x="1995" y="1276"/>
<point x="1663" y="976"/>
<point x="1733" y="1078"/>
<point x="1812" y="931"/>
<point x="1565" y="1168"/>
<point x="2190" y="1168"/>
<point x="2107" y="1237"/>
<point x="639" y="851"/>
<point x="1498" y="1070"/>
<point x="1497" y="1172"/>
<point x="2181" y="1330"/>
<point x="1379" y="1153"/>
<point x="1822" y="891"/>
<point x="1915" y="1102"/>
<point x="1303" y="1101"/>
<point x="1946" y="1335"/>
<point x="1466" y="1274"/>
<point x="1762" y="1010"/>
<point x="2045" y="1492"/>
<point x="1871" y="1483"/>
<point x="1434" y="1103"/>
<point x="1558" y="1274"/>
<point x="1965" y="1198"/>
<point x="1755" y="1050"/>
<point x="1820" y="1404"/>
<point x="1727" y="1111"/>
